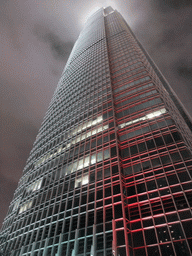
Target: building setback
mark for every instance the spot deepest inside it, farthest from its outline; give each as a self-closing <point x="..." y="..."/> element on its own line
<point x="110" y="170"/>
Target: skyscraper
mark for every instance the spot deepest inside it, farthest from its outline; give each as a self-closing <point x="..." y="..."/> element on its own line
<point x="110" y="170"/>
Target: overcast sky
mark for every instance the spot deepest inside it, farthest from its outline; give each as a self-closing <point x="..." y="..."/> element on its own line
<point x="35" y="41"/>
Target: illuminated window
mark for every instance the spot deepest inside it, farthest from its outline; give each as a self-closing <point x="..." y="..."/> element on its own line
<point x="16" y="205"/>
<point x="36" y="185"/>
<point x="26" y="206"/>
<point x="87" y="125"/>
<point x="81" y="181"/>
<point x="77" y="139"/>
<point x="148" y="116"/>
<point x="86" y="161"/>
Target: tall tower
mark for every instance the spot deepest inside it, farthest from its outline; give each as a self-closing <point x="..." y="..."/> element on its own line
<point x="110" y="170"/>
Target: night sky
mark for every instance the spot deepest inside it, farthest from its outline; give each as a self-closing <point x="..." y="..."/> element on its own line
<point x="36" y="39"/>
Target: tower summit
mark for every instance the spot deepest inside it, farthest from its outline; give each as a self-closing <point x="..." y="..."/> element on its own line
<point x="110" y="170"/>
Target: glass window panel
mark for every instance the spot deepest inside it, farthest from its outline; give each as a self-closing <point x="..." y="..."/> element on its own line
<point x="175" y="157"/>
<point x="150" y="236"/>
<point x="163" y="234"/>
<point x="141" y="188"/>
<point x="176" y="231"/>
<point x="151" y="185"/>
<point x="80" y="164"/>
<point x="93" y="159"/>
<point x="172" y="179"/>
<point x="160" y="220"/>
<point x="85" y="180"/>
<point x="133" y="150"/>
<point x="155" y="162"/>
<point x="162" y="182"/>
<point x="86" y="161"/>
<point x="138" y="239"/>
<point x="106" y="154"/>
<point x="106" y="172"/>
<point x="140" y="252"/>
<point x="120" y="238"/>
<point x="167" y="250"/>
<point x="187" y="225"/>
<point x="153" y="251"/>
<point x="142" y="147"/>
<point x="99" y="156"/>
<point x="181" y="248"/>
<point x="146" y="165"/>
<point x="137" y="168"/>
<point x="165" y="159"/>
<point x="150" y="144"/>
<point x="75" y="165"/>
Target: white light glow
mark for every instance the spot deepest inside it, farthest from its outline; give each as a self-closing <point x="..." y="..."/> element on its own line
<point x="92" y="7"/>
<point x="90" y="13"/>
<point x="16" y="205"/>
<point x="36" y="185"/>
<point x="26" y="206"/>
<point x="86" y="161"/>
<point x="77" y="139"/>
<point x="81" y="181"/>
<point x="148" y="116"/>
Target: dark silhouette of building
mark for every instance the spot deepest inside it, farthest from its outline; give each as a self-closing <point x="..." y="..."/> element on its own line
<point x="110" y="170"/>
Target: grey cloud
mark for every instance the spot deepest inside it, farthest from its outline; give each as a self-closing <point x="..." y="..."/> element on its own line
<point x="18" y="130"/>
<point x="166" y="5"/>
<point x="185" y="71"/>
<point x="59" y="48"/>
<point x="7" y="188"/>
<point x="167" y="37"/>
<point x="17" y="138"/>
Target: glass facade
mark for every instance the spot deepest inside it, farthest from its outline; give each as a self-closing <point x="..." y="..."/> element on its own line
<point x="110" y="170"/>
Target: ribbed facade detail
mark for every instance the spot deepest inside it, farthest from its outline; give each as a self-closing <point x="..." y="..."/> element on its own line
<point x="110" y="172"/>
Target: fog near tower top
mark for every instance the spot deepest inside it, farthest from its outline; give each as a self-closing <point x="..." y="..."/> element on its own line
<point x="36" y="39"/>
